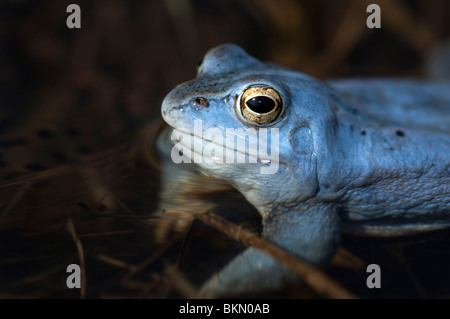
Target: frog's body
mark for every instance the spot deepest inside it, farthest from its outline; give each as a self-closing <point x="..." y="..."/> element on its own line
<point x="370" y="155"/>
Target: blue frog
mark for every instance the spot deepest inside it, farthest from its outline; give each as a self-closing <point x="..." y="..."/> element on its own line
<point x="368" y="156"/>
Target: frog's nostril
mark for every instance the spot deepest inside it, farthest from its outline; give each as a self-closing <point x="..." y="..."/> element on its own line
<point x="201" y="101"/>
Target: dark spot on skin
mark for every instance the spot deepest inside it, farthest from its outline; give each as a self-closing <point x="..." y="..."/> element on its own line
<point x="35" y="167"/>
<point x="352" y="128"/>
<point x="391" y="148"/>
<point x="84" y="149"/>
<point x="13" y="142"/>
<point x="354" y="111"/>
<point x="326" y="186"/>
<point x="363" y="133"/>
<point x="72" y="132"/>
<point x="201" y="101"/>
<point x="44" y="134"/>
<point x="400" y="133"/>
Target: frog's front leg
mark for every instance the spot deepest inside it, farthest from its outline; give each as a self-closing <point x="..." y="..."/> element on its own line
<point x="310" y="233"/>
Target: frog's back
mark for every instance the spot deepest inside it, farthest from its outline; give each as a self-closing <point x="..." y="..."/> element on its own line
<point x="410" y="104"/>
<point x="420" y="166"/>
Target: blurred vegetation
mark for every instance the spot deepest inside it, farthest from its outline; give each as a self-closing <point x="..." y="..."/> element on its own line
<point x="80" y="95"/>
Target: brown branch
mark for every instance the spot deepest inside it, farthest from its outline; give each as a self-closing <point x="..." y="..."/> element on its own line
<point x="318" y="280"/>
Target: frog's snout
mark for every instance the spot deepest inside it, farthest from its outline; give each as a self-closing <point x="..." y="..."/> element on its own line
<point x="169" y="104"/>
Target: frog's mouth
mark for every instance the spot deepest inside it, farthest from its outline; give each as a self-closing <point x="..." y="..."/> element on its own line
<point x="199" y="150"/>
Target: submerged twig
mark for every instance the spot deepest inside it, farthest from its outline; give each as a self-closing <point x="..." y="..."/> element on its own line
<point x="96" y="159"/>
<point x="148" y="261"/>
<point x="177" y="279"/>
<point x="17" y="196"/>
<point x="116" y="262"/>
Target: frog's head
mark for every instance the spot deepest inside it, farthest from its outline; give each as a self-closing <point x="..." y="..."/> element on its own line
<point x="263" y="128"/>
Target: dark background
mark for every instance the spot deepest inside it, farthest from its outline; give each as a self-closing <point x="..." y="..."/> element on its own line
<point x="71" y="96"/>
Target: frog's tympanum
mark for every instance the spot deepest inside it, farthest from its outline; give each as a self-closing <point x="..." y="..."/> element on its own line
<point x="371" y="156"/>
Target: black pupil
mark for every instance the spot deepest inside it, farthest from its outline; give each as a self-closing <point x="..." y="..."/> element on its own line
<point x="261" y="104"/>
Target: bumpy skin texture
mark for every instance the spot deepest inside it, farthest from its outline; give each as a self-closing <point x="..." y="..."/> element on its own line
<point x="368" y="155"/>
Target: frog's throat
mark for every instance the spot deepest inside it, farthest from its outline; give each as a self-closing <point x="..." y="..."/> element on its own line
<point x="189" y="141"/>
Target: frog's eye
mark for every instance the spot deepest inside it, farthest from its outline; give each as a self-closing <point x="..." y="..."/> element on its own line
<point x="260" y="104"/>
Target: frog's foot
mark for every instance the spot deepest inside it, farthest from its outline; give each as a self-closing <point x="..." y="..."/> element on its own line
<point x="311" y="234"/>
<point x="249" y="272"/>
